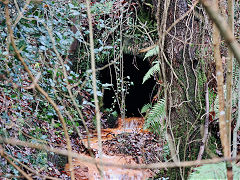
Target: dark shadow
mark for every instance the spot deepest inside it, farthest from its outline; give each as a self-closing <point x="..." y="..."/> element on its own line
<point x="139" y="94"/>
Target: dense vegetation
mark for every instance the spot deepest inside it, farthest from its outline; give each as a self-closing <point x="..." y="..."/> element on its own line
<point x="154" y="59"/>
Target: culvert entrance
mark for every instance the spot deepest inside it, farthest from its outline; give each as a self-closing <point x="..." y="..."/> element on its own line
<point x="139" y="94"/>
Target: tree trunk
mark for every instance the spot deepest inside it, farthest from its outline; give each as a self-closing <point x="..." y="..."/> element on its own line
<point x="181" y="82"/>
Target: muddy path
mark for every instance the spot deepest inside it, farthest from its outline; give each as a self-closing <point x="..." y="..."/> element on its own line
<point x="126" y="144"/>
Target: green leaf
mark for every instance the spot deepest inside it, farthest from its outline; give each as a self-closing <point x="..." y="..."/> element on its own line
<point x="155" y="116"/>
<point x="108" y="47"/>
<point x="214" y="171"/>
<point x="151" y="72"/>
<point x="146" y="107"/>
<point x="75" y="12"/>
<point x="43" y="48"/>
<point x="44" y="137"/>
<point x="13" y="96"/>
<point x="152" y="52"/>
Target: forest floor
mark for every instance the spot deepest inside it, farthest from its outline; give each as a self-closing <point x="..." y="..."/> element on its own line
<point x="126" y="144"/>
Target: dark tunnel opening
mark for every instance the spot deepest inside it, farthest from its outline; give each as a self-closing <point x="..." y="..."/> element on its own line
<point x="139" y="94"/>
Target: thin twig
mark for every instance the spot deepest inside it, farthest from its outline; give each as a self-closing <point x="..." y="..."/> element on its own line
<point x="94" y="84"/>
<point x="44" y="93"/>
<point x="4" y="155"/>
<point x="160" y="165"/>
<point x="205" y="135"/>
<point x="31" y="170"/>
<point x="229" y="73"/>
<point x="20" y="15"/>
<point x="181" y="18"/>
<point x="223" y="27"/>
<point x="219" y="74"/>
<point x="235" y="131"/>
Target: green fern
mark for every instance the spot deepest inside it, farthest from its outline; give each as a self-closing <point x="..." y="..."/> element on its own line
<point x="152" y="52"/>
<point x="146" y="107"/>
<point x="213" y="171"/>
<point x="155" y="116"/>
<point x="151" y="72"/>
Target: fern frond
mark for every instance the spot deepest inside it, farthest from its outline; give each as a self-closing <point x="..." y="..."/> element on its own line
<point x="213" y="171"/>
<point x="152" y="52"/>
<point x="146" y="107"/>
<point x="151" y="72"/>
<point x="155" y="116"/>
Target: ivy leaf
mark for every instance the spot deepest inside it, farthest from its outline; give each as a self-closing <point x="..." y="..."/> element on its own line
<point x="75" y="12"/>
<point x="43" y="48"/>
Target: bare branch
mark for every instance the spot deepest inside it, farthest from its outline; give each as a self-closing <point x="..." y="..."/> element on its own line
<point x="219" y="74"/>
<point x="94" y="83"/>
<point x="44" y="93"/>
<point x="223" y="27"/>
<point x="4" y="155"/>
<point x="205" y="135"/>
<point x="229" y="80"/>
<point x="160" y="165"/>
<point x="235" y="131"/>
